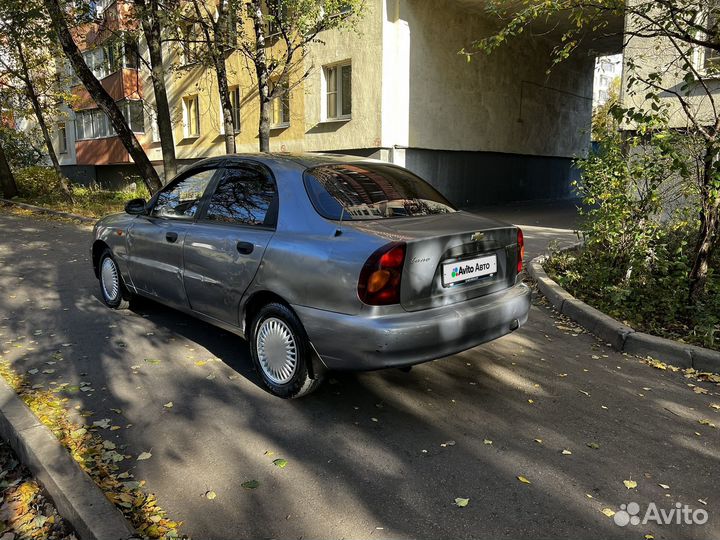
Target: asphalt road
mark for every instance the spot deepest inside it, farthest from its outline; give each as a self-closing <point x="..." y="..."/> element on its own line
<point x="370" y="454"/>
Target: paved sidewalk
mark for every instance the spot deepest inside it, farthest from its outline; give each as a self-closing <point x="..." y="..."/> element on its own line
<point x="380" y="454"/>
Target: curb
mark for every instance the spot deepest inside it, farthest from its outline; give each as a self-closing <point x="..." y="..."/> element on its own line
<point x="75" y="495"/>
<point x="42" y="210"/>
<point x="620" y="336"/>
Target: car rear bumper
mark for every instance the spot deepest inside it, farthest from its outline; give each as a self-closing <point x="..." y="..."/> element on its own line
<point x="356" y="342"/>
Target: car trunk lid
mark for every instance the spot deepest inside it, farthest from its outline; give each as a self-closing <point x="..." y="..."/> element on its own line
<point x="450" y="257"/>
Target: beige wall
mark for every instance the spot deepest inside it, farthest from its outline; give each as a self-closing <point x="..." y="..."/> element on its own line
<point x="499" y="103"/>
<point x="651" y="55"/>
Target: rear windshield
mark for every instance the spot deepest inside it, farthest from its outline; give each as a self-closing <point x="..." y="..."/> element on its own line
<point x="371" y="191"/>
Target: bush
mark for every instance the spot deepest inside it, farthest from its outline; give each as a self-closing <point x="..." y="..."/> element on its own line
<point x="639" y="236"/>
<point x="33" y="182"/>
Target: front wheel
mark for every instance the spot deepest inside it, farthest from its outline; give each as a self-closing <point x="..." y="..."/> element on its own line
<point x="281" y="352"/>
<point x="112" y="288"/>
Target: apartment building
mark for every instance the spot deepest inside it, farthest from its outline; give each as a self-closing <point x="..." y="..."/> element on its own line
<point x="497" y="128"/>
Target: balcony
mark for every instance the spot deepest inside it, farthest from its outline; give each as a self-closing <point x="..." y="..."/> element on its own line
<point x="106" y="151"/>
<point x="122" y="84"/>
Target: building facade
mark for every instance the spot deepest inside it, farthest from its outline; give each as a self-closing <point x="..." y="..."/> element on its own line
<point x="498" y="128"/>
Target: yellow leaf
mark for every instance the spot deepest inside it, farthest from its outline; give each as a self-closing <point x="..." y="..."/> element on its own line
<point x="168" y="405"/>
<point x="523" y="480"/>
<point x="609" y="512"/>
<point x="211" y="495"/>
<point x="487" y="441"/>
<point x="539" y="441"/>
<point x="664" y="486"/>
<point x="630" y="484"/>
<point x="462" y="503"/>
<point x="566" y="452"/>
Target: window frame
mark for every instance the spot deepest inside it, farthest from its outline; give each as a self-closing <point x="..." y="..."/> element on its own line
<point x="62" y="138"/>
<point x="337" y="115"/>
<point x="210" y="188"/>
<point x="701" y="53"/>
<point x="187" y="134"/>
<point x="201" y="216"/>
<point x="284" y="101"/>
<point x="237" y="125"/>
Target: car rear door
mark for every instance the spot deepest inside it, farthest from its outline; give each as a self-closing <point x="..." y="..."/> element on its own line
<point x="155" y="240"/>
<point x="224" y="248"/>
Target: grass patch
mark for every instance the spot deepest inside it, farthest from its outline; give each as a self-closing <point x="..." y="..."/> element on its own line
<point x="40" y="186"/>
<point x="98" y="457"/>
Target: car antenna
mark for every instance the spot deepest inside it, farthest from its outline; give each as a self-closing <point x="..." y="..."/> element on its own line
<point x="338" y="231"/>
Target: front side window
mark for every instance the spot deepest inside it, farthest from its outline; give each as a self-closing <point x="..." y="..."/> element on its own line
<point x="182" y="198"/>
<point x="338" y="91"/>
<point x="371" y="191"/>
<point x="244" y="196"/>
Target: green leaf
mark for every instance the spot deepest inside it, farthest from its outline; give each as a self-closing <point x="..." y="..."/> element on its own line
<point x="462" y="503"/>
<point x="280" y="462"/>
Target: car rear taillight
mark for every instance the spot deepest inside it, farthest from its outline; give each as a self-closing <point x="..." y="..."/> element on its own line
<point x="379" y="283"/>
<point x="520" y="249"/>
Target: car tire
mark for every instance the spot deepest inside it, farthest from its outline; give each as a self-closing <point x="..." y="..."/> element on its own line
<point x="281" y="352"/>
<point x="112" y="288"/>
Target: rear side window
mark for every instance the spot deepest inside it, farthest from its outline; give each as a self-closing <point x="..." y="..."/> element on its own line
<point x="245" y="196"/>
<point x="371" y="191"/>
<point x="181" y="199"/>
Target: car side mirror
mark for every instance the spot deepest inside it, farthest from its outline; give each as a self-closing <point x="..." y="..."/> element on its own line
<point x="136" y="207"/>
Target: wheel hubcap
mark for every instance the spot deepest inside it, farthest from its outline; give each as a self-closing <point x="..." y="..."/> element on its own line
<point x="276" y="350"/>
<point x="110" y="279"/>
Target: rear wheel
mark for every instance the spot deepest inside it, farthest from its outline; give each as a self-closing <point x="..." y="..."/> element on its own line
<point x="112" y="288"/>
<point x="281" y="352"/>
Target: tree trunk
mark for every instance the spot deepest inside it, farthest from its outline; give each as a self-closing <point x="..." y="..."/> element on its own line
<point x="224" y="91"/>
<point x="709" y="222"/>
<point x="7" y="180"/>
<point x="261" y="71"/>
<point x="37" y="109"/>
<point x="153" y="35"/>
<point x="102" y="98"/>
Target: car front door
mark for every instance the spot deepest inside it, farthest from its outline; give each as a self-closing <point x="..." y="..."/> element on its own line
<point x="155" y="240"/>
<point x="224" y="248"/>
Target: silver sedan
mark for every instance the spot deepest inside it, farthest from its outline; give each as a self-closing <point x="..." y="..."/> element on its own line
<point x="322" y="262"/>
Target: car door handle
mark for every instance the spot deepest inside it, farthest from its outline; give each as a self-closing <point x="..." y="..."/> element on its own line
<point x="171" y="237"/>
<point x="246" y="248"/>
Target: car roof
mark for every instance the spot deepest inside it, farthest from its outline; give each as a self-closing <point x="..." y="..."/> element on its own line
<point x="305" y="160"/>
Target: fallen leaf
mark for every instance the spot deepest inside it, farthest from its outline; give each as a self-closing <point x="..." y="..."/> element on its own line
<point x="32" y="371"/>
<point x="630" y="484"/>
<point x="447" y="443"/>
<point x="523" y="480"/>
<point x="144" y="455"/>
<point x="705" y="422"/>
<point x="462" y="503"/>
<point x="280" y="462"/>
<point x="168" y="405"/>
<point x="584" y="392"/>
<point x="664" y="486"/>
<point x="702" y="501"/>
<point x="211" y="495"/>
<point x="200" y="363"/>
<point x="593" y="445"/>
<point x="487" y="441"/>
<point x="250" y="484"/>
<point x="566" y="452"/>
<point x="539" y="441"/>
<point x="609" y="512"/>
<point x="530" y="401"/>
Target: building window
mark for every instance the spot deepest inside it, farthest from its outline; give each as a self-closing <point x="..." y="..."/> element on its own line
<point x="62" y="139"/>
<point x="94" y="124"/>
<point x="235" y="106"/>
<point x="113" y="56"/>
<point x="190" y="44"/>
<point x="338" y="91"/>
<point x="191" y="116"/>
<point x="134" y="113"/>
<point x="280" y="116"/>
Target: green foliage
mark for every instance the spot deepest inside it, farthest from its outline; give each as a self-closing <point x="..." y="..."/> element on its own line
<point x="639" y="237"/>
<point x="21" y="148"/>
<point x="40" y="186"/>
<point x="604" y="119"/>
